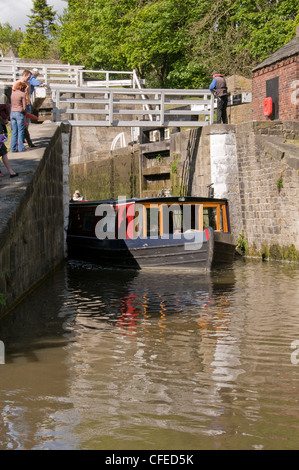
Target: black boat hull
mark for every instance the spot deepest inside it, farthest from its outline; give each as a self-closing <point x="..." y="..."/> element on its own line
<point x="190" y="252"/>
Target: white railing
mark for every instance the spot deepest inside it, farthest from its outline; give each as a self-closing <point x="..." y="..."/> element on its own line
<point x="48" y="73"/>
<point x="109" y="78"/>
<point x="113" y="98"/>
<point x="12" y="69"/>
<point x="119" y="107"/>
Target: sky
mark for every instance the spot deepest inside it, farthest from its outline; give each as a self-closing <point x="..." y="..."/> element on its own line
<point x="15" y="12"/>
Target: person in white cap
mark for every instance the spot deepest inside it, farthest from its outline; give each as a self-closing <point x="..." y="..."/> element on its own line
<point x="77" y="196"/>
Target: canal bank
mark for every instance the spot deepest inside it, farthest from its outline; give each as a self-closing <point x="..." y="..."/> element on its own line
<point x="33" y="212"/>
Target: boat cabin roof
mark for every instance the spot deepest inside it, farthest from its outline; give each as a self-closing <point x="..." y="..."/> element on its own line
<point x="153" y="200"/>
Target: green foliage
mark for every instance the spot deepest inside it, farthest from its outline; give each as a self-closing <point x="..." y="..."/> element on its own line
<point x="242" y="243"/>
<point x="9" y="38"/>
<point x="174" y="166"/>
<point x="77" y="36"/>
<point x="291" y="254"/>
<point x="176" y="43"/>
<point x="279" y="183"/>
<point x="276" y="252"/>
<point x="40" y="33"/>
<point x="233" y="36"/>
<point x="156" y="39"/>
<point x="265" y="252"/>
<point x="171" y="43"/>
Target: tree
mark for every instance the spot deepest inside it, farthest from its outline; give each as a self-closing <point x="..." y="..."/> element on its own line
<point x="9" y="37"/>
<point x="156" y="41"/>
<point x="123" y="34"/>
<point x="40" y="31"/>
<point x="93" y="31"/>
<point x="176" y="43"/>
<point x="234" y="36"/>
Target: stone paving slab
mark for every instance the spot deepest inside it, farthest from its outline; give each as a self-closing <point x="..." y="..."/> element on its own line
<point x="25" y="164"/>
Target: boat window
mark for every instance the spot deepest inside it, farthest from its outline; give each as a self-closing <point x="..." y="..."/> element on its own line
<point x="179" y="218"/>
<point x="138" y="223"/>
<point x="109" y="225"/>
<point x="172" y="218"/>
<point x="87" y="221"/>
<point x="215" y="217"/>
<point x="210" y="217"/>
<point x="75" y="222"/>
<point x="152" y="221"/>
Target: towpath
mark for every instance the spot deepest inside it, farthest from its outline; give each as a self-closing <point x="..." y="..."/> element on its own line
<point x="25" y="164"/>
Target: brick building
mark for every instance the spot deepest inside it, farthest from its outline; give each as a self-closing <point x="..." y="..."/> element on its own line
<point x="278" y="77"/>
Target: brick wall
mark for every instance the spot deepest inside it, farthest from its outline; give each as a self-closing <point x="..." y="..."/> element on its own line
<point x="288" y="73"/>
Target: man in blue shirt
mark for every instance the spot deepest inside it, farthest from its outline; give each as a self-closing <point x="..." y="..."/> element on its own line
<point x="33" y="82"/>
<point x="219" y="89"/>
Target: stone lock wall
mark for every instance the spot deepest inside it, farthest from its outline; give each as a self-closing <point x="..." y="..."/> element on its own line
<point x="115" y="174"/>
<point x="33" y="240"/>
<point x="268" y="168"/>
<point x="255" y="165"/>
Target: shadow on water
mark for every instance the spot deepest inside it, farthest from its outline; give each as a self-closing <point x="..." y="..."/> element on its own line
<point x="35" y="322"/>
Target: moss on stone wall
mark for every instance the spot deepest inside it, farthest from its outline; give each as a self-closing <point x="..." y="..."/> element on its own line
<point x="273" y="252"/>
<point x="106" y="178"/>
<point x="267" y="252"/>
<point x="92" y="179"/>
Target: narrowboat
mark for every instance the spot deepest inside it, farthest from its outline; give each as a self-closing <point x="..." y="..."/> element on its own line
<point x="176" y="233"/>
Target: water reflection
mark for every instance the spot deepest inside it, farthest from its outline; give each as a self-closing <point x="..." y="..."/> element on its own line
<point x="101" y="359"/>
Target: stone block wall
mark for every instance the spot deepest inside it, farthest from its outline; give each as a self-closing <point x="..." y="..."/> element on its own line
<point x="33" y="240"/>
<point x="241" y="112"/>
<point x="91" y="143"/>
<point x="268" y="172"/>
<point x="114" y="174"/>
<point x="224" y="170"/>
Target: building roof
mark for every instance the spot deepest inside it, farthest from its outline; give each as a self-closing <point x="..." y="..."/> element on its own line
<point x="289" y="49"/>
